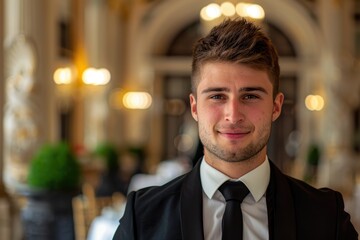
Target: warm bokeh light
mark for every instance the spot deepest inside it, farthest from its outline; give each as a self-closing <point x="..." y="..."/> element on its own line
<point x="97" y="77"/>
<point x="63" y="76"/>
<point x="255" y="11"/>
<point x="228" y="9"/>
<point x="137" y="100"/>
<point x="210" y="12"/>
<point x="314" y="102"/>
<point x="91" y="76"/>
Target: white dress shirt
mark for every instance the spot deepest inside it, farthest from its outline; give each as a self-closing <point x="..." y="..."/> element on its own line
<point x="253" y="207"/>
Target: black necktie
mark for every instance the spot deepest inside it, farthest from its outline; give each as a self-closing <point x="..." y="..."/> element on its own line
<point x="232" y="223"/>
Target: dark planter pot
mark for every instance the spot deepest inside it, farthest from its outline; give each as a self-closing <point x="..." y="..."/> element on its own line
<point x="48" y="216"/>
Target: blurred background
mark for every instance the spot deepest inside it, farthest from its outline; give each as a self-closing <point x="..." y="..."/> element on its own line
<point x="94" y="103"/>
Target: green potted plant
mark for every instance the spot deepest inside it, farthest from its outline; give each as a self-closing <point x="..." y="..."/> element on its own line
<point x="54" y="168"/>
<point x="53" y="179"/>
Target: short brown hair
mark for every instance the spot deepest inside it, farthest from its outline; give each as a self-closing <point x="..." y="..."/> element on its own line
<point x="237" y="41"/>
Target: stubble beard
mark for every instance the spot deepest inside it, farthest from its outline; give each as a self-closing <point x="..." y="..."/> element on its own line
<point x="238" y="155"/>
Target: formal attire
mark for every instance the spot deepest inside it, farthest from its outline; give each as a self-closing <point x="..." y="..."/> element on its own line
<point x="253" y="206"/>
<point x="289" y="209"/>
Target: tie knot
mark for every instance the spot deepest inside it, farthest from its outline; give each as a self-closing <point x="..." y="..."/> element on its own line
<point x="234" y="191"/>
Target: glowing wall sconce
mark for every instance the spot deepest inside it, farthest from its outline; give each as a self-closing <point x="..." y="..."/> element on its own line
<point x="314" y="102"/>
<point x="137" y="100"/>
<point x="64" y="76"/>
<point x="96" y="77"/>
<point x="65" y="80"/>
<point x="91" y="76"/>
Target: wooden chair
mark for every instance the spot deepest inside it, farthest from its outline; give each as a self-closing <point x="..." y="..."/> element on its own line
<point x="87" y="206"/>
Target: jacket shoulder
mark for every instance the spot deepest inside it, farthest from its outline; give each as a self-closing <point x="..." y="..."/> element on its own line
<point x="321" y="202"/>
<point x="152" y="193"/>
<point x="149" y="209"/>
<point x="301" y="189"/>
<point x="306" y="187"/>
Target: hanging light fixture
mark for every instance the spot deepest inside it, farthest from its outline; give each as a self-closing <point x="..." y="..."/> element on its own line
<point x="69" y="84"/>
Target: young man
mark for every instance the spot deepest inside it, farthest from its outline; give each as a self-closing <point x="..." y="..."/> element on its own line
<point x="235" y="99"/>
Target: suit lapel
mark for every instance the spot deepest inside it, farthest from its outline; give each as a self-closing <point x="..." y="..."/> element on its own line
<point x="281" y="211"/>
<point x="191" y="212"/>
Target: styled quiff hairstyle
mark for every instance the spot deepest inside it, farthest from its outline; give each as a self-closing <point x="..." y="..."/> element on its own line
<point x="236" y="41"/>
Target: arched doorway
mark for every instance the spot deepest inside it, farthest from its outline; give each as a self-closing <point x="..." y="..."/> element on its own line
<point x="298" y="35"/>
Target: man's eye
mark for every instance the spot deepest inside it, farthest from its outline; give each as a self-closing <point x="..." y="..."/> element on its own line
<point x="250" y="97"/>
<point x="217" y="97"/>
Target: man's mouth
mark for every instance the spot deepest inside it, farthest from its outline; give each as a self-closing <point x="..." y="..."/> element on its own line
<point x="234" y="134"/>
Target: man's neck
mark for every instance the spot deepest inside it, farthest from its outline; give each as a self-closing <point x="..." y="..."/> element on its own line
<point x="235" y="170"/>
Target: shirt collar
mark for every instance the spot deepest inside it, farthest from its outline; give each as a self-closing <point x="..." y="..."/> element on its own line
<point x="212" y="179"/>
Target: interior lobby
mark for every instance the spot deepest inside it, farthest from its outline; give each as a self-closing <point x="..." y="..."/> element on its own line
<point x="117" y="72"/>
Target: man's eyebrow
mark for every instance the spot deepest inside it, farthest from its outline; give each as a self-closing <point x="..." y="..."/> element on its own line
<point x="215" y="89"/>
<point x="253" y="89"/>
<point x="244" y="89"/>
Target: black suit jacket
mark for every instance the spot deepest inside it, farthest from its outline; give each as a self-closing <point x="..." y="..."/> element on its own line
<point x="295" y="210"/>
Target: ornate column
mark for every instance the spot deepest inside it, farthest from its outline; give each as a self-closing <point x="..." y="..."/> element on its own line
<point x="102" y="26"/>
<point x="342" y="94"/>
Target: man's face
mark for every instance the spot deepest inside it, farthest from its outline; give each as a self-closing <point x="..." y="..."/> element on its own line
<point x="234" y="108"/>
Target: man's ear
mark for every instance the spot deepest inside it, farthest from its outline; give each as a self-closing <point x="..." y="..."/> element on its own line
<point x="193" y="107"/>
<point x="278" y="102"/>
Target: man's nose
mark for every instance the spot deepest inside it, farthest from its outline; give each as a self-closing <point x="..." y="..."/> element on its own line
<point x="234" y="112"/>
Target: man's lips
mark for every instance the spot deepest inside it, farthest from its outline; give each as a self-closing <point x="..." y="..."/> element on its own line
<point x="233" y="134"/>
